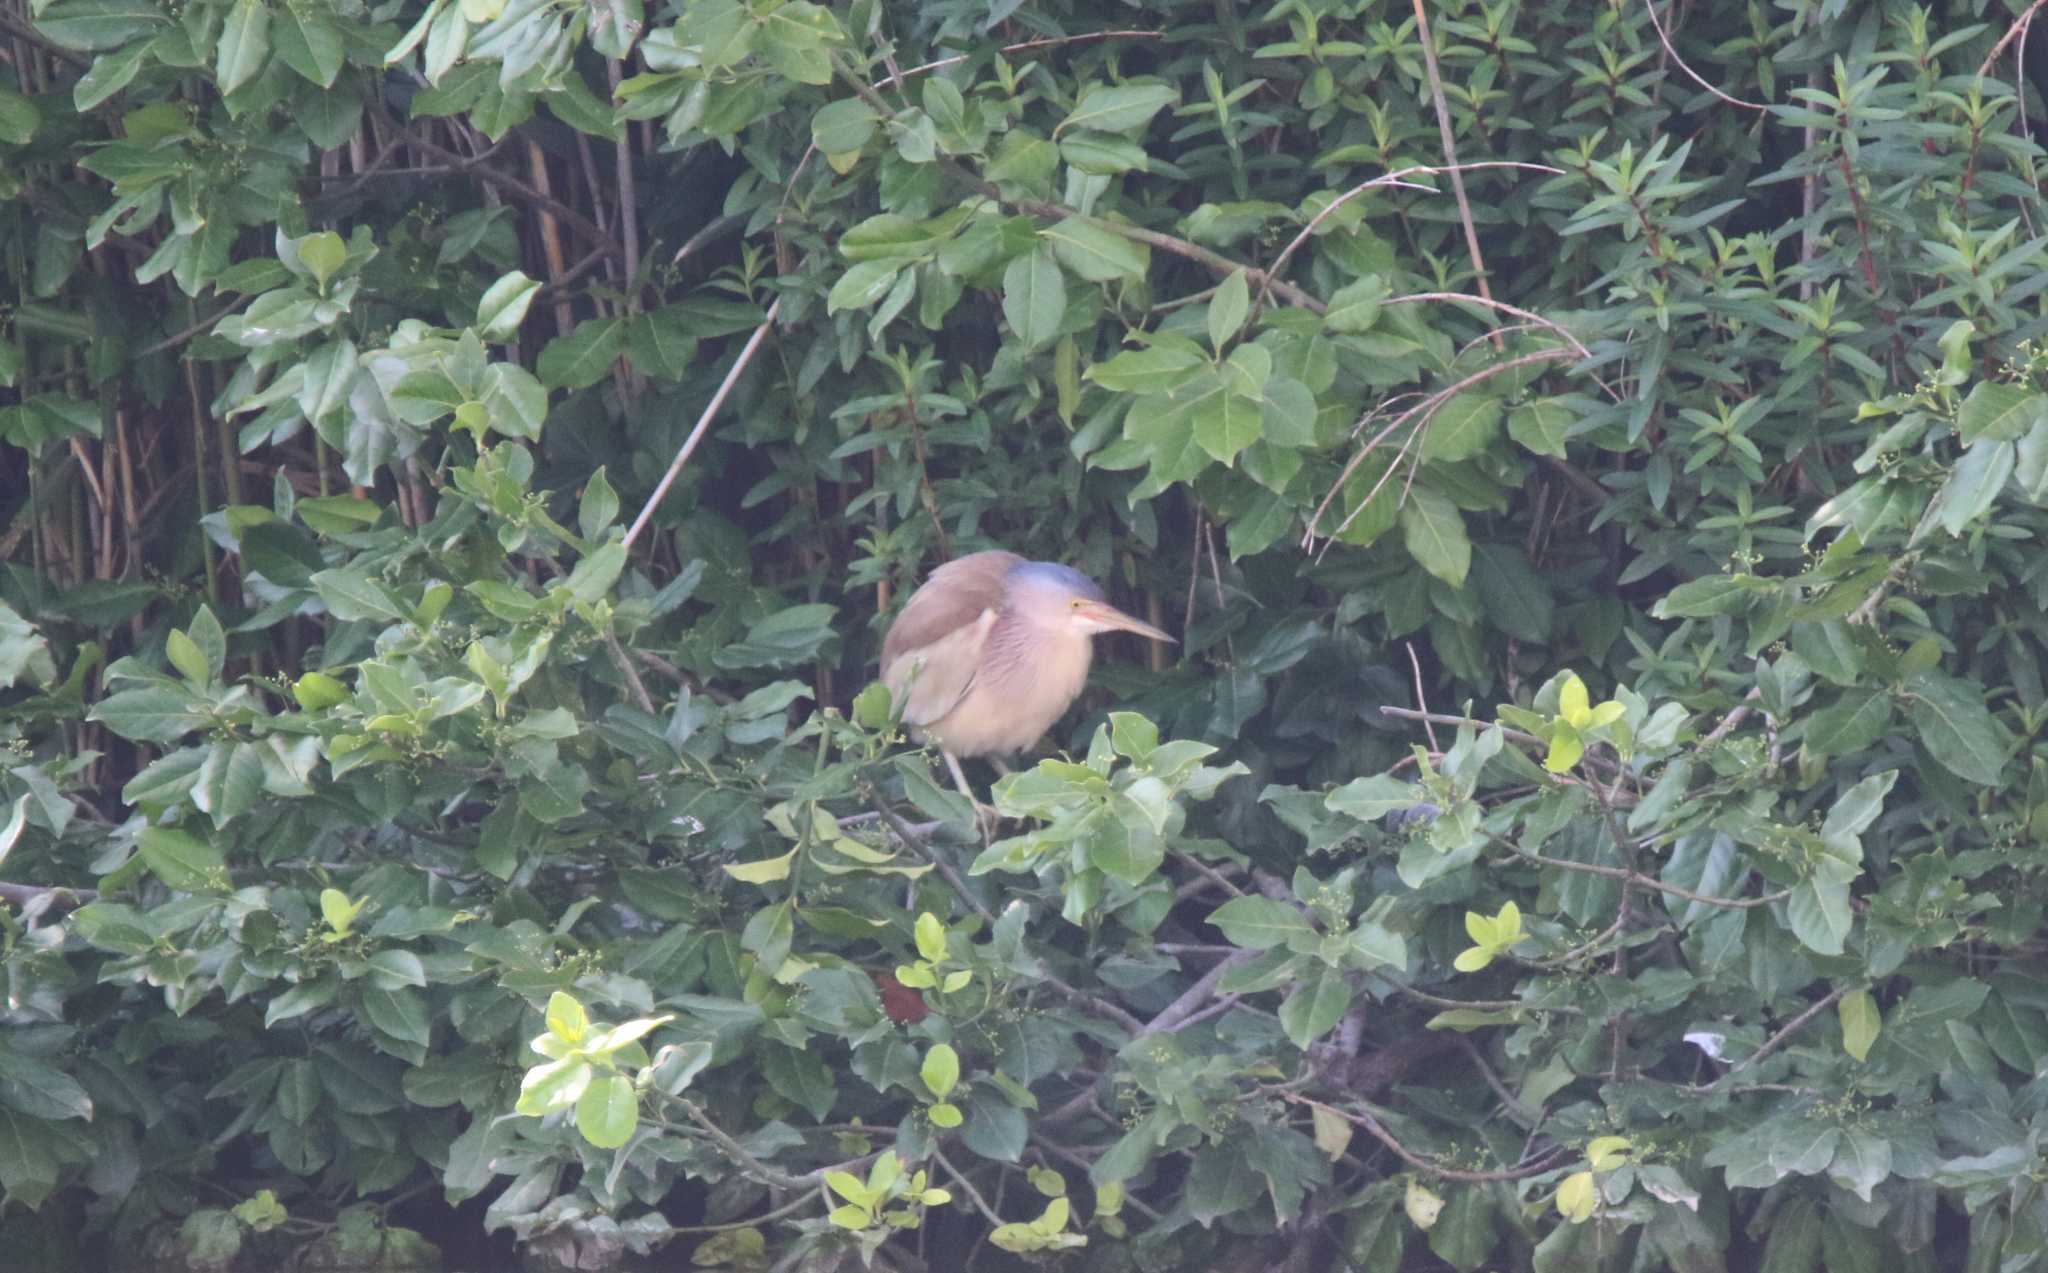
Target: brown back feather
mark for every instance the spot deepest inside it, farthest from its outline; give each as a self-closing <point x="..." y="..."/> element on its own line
<point x="952" y="597"/>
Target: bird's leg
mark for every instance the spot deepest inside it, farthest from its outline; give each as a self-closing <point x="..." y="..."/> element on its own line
<point x="984" y="814"/>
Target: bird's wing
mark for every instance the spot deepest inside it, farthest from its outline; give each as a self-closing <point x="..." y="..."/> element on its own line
<point x="933" y="650"/>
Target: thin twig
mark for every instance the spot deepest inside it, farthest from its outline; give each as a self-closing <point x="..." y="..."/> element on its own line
<point x="1425" y="409"/>
<point x="2018" y="30"/>
<point x="908" y="834"/>
<point x="1417" y="1161"/>
<point x="1651" y="6"/>
<point x="1422" y="699"/>
<point x="196" y="329"/>
<point x="590" y="229"/>
<point x="641" y="698"/>
<point x="703" y="422"/>
<point x="1443" y="127"/>
<point x="1394" y="178"/>
<point x="1181" y="1010"/>
<point x="1027" y="46"/>
<point x="1647" y="881"/>
<point x="973" y="1194"/>
<point x="1782" y="1037"/>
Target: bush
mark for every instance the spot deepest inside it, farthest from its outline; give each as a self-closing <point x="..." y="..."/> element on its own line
<point x="459" y="459"/>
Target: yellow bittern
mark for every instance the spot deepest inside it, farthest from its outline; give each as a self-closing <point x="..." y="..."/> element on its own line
<point x="992" y="649"/>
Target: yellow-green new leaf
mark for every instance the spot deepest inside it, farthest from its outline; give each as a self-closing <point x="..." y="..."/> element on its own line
<point x="1577" y="1197"/>
<point x="1861" y="1023"/>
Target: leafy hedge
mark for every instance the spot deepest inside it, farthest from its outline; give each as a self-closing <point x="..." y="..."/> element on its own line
<point x="457" y="461"/>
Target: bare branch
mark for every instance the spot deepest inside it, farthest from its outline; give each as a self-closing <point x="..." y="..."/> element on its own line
<point x="704" y="422"/>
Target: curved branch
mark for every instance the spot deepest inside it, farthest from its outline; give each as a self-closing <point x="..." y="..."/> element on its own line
<point x="1665" y="40"/>
<point x="1776" y="1041"/>
<point x="1426" y="408"/>
<point x="1383" y="1136"/>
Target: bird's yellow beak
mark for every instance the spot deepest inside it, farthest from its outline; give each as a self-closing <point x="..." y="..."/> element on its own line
<point x="1100" y="616"/>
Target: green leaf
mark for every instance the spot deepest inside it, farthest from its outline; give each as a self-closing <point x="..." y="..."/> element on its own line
<point x="156" y="714"/>
<point x="39" y="1090"/>
<point x="400" y="1013"/>
<point x="351" y="595"/>
<point x="1221" y="1180"/>
<point x="1957" y="729"/>
<point x="1852" y="722"/>
<point x="229" y="782"/>
<point x="110" y="73"/>
<point x="1093" y="253"/>
<point x="584" y="356"/>
<point x="1034" y="297"/>
<point x="504" y="305"/>
<point x="941" y="1070"/>
<point x="1860" y="1022"/>
<point x="1118" y="109"/>
<point x="89" y="26"/>
<point x="599" y="507"/>
<point x="1515" y="597"/>
<point x="1159" y="368"/>
<point x="1316" y="1006"/>
<point x="1373" y="797"/>
<point x="181" y="861"/>
<point x="18" y="118"/>
<point x="1975" y="483"/>
<point x="1462" y="427"/>
<point x="1434" y="532"/>
<point x="1260" y="923"/>
<point x="1226" y="423"/>
<point x="1228" y="308"/>
<point x="244" y="44"/>
<point x="864" y="283"/>
<point x="1356" y="306"/>
<point x="842" y="127"/>
<point x="765" y="871"/>
<point x="1999" y="413"/>
<point x="801" y="1077"/>
<point x="608" y="1112"/>
<point x="1711" y="595"/>
<point x="931" y="937"/>
<point x="1542" y="425"/>
<point x="1577" y="1197"/>
<point x="186" y="658"/>
<point x="1819" y="913"/>
<point x="309" y="44"/>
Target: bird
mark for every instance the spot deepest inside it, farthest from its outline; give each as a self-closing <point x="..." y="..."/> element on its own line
<point x="991" y="649"/>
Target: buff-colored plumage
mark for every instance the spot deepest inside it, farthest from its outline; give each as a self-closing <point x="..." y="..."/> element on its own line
<point x="992" y="649"/>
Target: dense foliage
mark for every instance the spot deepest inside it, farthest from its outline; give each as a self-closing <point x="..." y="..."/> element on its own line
<point x="1595" y="455"/>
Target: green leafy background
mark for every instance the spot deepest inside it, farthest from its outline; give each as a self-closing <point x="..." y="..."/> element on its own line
<point x="1594" y="456"/>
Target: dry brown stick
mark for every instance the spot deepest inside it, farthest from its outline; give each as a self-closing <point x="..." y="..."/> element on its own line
<point x="1443" y="126"/>
<point x="29" y="34"/>
<point x="675" y="468"/>
<point x="2017" y="31"/>
<point x="551" y="241"/>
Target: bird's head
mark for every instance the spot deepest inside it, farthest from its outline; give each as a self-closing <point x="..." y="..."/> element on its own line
<point x="1059" y="597"/>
